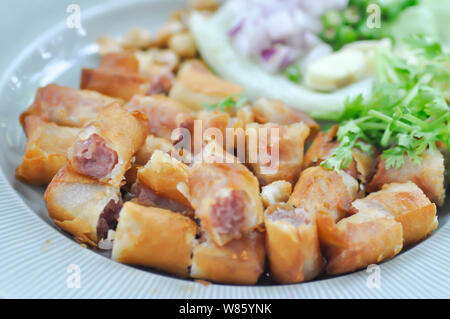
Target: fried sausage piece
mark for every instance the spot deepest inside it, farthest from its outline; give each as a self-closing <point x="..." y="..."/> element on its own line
<point x="154" y="237"/>
<point x="292" y="244"/>
<point x="45" y="150"/>
<point x="240" y="261"/>
<point x="409" y="206"/>
<point x="161" y="113"/>
<point x="429" y="175"/>
<point x="66" y="106"/>
<point x="105" y="147"/>
<point x="92" y="157"/>
<point x="276" y="193"/>
<point x="123" y="62"/>
<point x="120" y="75"/>
<point x="275" y="111"/>
<point x="277" y="151"/>
<point x="152" y="144"/>
<point x="196" y="86"/>
<point x="124" y="85"/>
<point x="226" y="199"/>
<point x="319" y="189"/>
<point x="164" y="174"/>
<point x="82" y="206"/>
<point x="368" y="237"/>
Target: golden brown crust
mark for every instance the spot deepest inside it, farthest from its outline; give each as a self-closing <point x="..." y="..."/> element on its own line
<point x="355" y="242"/>
<point x="409" y="205"/>
<point x="319" y="189"/>
<point x="275" y="111"/>
<point x="125" y="74"/>
<point x="196" y="86"/>
<point x="212" y="152"/>
<point x="290" y="151"/>
<point x="154" y="237"/>
<point x="66" y="106"/>
<point x="276" y="192"/>
<point x="418" y="224"/>
<point x="293" y="248"/>
<point x="429" y="176"/>
<point x="75" y="202"/>
<point x="213" y="119"/>
<point x="205" y="126"/>
<point x="160" y="111"/>
<point x="45" y="150"/>
<point x="163" y="174"/>
<point x="244" y="116"/>
<point x="240" y="261"/>
<point x="33" y="124"/>
<point x="38" y="167"/>
<point x="152" y="143"/>
<point x="80" y="229"/>
<point x="120" y="85"/>
<point x="123" y="62"/>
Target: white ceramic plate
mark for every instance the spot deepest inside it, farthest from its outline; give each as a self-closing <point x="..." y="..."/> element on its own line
<point x="35" y="256"/>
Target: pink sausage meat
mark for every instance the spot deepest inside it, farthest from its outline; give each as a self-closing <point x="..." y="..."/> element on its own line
<point x="296" y="216"/>
<point x="93" y="158"/>
<point x="227" y="213"/>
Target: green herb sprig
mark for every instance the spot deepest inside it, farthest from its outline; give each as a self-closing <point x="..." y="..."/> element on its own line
<point x="293" y="73"/>
<point x="229" y="103"/>
<point x="406" y="113"/>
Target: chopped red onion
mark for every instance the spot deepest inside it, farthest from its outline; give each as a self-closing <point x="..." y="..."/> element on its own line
<point x="267" y="53"/>
<point x="280" y="59"/>
<point x="277" y="32"/>
<point x="238" y="27"/>
<point x="280" y="26"/>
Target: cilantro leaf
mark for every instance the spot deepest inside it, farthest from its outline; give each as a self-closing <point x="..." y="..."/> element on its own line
<point x="405" y="115"/>
<point x="228" y="103"/>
